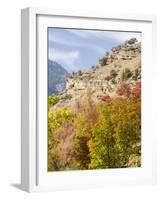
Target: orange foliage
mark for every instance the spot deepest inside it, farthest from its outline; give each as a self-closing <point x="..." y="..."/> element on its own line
<point x="136" y="90"/>
<point x="123" y="90"/>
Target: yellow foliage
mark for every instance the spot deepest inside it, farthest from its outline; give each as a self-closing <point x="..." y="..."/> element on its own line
<point x="104" y="135"/>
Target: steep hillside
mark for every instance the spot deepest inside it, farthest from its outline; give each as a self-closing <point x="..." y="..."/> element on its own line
<point x="122" y="65"/>
<point x="56" y="77"/>
<point x="95" y="123"/>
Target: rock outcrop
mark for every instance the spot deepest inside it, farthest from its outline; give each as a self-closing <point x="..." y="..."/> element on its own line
<point x="123" y="64"/>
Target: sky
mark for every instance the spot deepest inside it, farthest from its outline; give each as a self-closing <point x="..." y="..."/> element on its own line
<point x="77" y="49"/>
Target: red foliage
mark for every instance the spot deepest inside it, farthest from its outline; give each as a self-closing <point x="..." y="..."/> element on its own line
<point x="123" y="90"/>
<point x="136" y="90"/>
<point x="105" y="98"/>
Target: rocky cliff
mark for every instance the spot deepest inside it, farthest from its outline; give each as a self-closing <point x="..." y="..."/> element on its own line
<point x="121" y="65"/>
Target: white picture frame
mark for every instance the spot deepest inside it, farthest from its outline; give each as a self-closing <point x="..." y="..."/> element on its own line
<point x="33" y="176"/>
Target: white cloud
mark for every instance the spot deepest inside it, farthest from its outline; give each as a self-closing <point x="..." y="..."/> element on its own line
<point x="60" y="40"/>
<point x="80" y="33"/>
<point x="68" y="42"/>
<point x="111" y="35"/>
<point x="66" y="59"/>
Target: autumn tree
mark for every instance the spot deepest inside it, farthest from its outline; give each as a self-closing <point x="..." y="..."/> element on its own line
<point x="86" y="117"/>
<point x="114" y="137"/>
<point x="55" y="121"/>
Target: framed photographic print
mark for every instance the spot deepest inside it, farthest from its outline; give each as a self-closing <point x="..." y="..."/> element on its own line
<point x="86" y="106"/>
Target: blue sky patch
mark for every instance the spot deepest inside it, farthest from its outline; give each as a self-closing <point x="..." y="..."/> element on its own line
<point x="78" y="49"/>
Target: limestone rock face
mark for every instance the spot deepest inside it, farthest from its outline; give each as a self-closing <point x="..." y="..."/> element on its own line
<point x="123" y="64"/>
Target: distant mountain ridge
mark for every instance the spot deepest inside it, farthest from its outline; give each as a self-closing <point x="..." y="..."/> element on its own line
<point x="57" y="76"/>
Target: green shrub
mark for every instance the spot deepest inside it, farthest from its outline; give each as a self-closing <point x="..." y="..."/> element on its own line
<point x="103" y="61"/>
<point x="136" y="74"/>
<point x="113" y="73"/>
<point x="56" y="119"/>
<point x="113" y="81"/>
<point x="126" y="74"/>
<point x="80" y="72"/>
<point x="107" y="78"/>
<point x="52" y="100"/>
